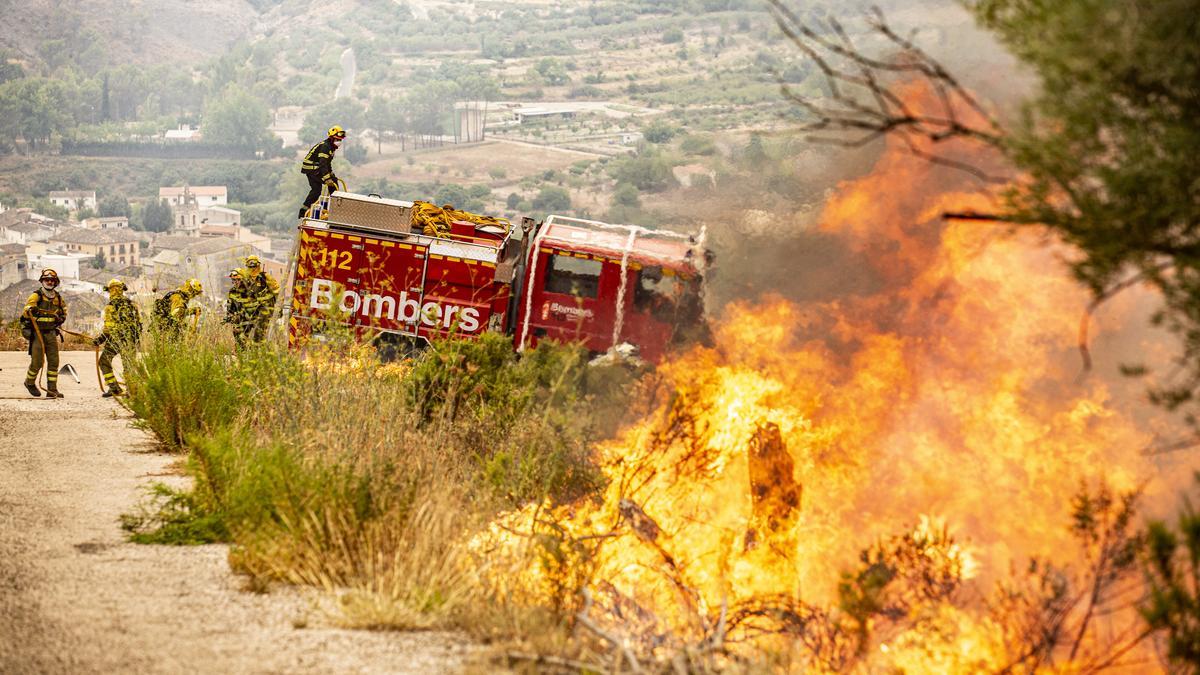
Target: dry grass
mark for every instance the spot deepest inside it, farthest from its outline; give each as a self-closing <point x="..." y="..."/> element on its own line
<point x="12" y="341"/>
<point x="371" y="482"/>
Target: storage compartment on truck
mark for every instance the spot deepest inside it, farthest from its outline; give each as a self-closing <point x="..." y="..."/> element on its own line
<point x="371" y="211"/>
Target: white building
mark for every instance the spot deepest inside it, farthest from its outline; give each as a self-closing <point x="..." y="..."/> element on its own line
<point x="220" y="215"/>
<point x="108" y="223"/>
<point x="73" y="200"/>
<point x="12" y="264"/>
<point x="238" y="233"/>
<point x="534" y="114"/>
<point x="205" y="195"/>
<point x="22" y="226"/>
<point x="65" y="264"/>
<point x="183" y="133"/>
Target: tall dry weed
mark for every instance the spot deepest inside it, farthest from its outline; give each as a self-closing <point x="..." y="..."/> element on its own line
<point x="332" y="470"/>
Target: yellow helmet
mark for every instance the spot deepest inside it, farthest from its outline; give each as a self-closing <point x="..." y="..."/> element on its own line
<point x="49" y="274"/>
<point x="252" y="261"/>
<point x="236" y="275"/>
<point x="115" y="283"/>
<point x="337" y="132"/>
<point x="193" y="287"/>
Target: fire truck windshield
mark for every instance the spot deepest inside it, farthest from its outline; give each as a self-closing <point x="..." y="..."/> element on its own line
<point x="573" y="276"/>
<point x="657" y="293"/>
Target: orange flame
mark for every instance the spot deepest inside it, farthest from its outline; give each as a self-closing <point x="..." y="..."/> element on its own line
<point x="812" y="430"/>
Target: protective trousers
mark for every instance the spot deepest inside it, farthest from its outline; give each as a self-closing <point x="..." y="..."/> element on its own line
<point x="107" y="354"/>
<point x="258" y="331"/>
<point x="50" y="339"/>
<point x="314" y="192"/>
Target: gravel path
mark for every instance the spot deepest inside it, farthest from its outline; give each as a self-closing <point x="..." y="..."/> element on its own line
<point x="75" y="597"/>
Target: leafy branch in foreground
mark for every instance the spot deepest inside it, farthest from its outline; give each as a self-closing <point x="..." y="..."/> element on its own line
<point x="1173" y="574"/>
<point x="863" y="102"/>
<point x="1105" y="151"/>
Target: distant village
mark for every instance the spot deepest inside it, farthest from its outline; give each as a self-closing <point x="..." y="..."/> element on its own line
<point x="205" y="241"/>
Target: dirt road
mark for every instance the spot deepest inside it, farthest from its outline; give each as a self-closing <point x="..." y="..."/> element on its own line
<point x="75" y="597"/>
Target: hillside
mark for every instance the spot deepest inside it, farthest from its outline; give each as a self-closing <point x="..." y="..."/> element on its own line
<point x="106" y="33"/>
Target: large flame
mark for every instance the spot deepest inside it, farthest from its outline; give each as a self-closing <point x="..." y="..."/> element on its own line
<point x="949" y="398"/>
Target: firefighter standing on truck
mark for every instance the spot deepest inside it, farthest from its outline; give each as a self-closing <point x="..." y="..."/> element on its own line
<point x="43" y="314"/>
<point x="171" y="310"/>
<point x="122" y="331"/>
<point x="255" y="301"/>
<point x="318" y="167"/>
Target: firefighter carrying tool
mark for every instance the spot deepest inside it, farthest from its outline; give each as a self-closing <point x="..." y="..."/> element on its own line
<point x="41" y="318"/>
<point x="172" y="308"/>
<point x="122" y="331"/>
<point x="318" y="167"/>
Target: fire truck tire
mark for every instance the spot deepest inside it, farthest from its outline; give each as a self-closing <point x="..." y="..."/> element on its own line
<point x="394" y="347"/>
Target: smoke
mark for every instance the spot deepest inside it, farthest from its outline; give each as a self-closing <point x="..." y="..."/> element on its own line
<point x="970" y="302"/>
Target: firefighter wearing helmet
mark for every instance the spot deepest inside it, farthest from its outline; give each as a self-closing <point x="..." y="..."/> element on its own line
<point x="318" y="167"/>
<point x="251" y="301"/>
<point x="44" y="312"/>
<point x="235" y="302"/>
<point x="122" y="331"/>
<point x="172" y="309"/>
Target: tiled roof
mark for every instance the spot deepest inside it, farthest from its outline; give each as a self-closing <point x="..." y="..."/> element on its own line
<point x="166" y="280"/>
<point x="215" y="245"/>
<point x="13" y="216"/>
<point x="81" y="235"/>
<point x="12" y="299"/>
<point x="93" y="275"/>
<point x="172" y="242"/>
<point x="29" y="227"/>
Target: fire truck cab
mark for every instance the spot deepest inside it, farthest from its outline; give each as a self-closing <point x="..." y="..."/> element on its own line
<point x="604" y="285"/>
<point x="361" y="262"/>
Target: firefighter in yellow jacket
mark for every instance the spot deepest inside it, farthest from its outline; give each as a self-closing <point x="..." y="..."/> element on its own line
<point x="44" y="312"/>
<point x="122" y="331"/>
<point x="255" y="299"/>
<point x="235" y="313"/>
<point x="171" y="310"/>
<point x="318" y="167"/>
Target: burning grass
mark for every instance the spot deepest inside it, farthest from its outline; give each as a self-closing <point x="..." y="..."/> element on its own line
<point x="912" y="477"/>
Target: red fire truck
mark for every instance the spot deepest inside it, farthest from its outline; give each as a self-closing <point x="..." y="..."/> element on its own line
<point x="363" y="262"/>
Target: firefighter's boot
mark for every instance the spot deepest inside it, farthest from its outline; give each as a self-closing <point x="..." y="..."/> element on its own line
<point x="114" y="390"/>
<point x="53" y="393"/>
<point x="32" y="389"/>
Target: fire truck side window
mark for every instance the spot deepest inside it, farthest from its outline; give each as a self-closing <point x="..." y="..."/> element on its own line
<point x="574" y="276"/>
<point x="656" y="292"/>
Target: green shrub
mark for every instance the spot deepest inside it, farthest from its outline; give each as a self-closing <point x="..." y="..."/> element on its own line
<point x="178" y="388"/>
<point x="698" y="145"/>
<point x="316" y="466"/>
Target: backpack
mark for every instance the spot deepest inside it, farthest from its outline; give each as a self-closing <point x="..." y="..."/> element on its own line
<point x="128" y="320"/>
<point x="162" y="307"/>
